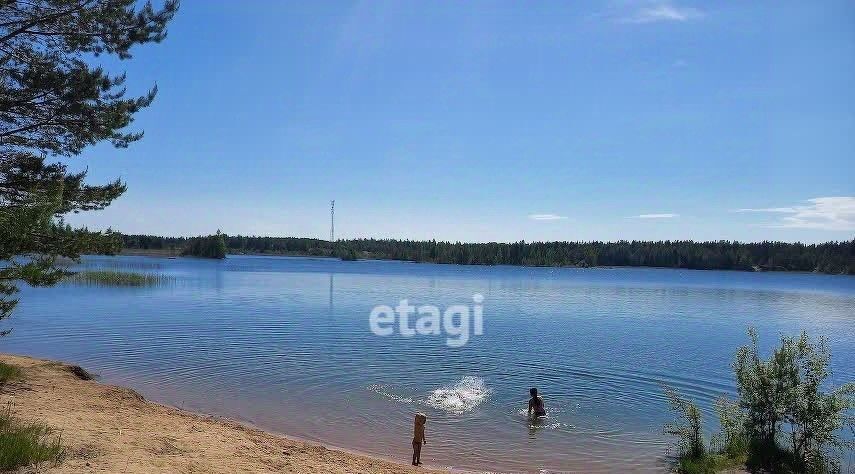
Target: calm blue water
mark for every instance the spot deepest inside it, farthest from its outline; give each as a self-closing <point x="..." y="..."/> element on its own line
<point x="284" y="343"/>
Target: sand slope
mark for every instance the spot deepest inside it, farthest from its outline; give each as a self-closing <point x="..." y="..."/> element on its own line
<point x="109" y="429"/>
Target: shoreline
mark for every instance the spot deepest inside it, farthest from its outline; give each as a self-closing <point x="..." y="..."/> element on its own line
<point x="109" y="428"/>
<point x="166" y="253"/>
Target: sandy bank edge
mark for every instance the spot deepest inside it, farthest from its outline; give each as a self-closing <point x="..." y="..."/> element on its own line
<point x="108" y="428"/>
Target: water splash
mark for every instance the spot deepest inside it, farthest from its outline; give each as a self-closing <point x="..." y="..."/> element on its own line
<point x="544" y="422"/>
<point x="384" y="391"/>
<point x="464" y="396"/>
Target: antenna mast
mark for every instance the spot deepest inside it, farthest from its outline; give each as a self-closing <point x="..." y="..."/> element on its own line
<point x="332" y="220"/>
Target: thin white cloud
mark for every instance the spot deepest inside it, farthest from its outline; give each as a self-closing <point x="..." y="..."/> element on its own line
<point x="664" y="215"/>
<point x="826" y="213"/>
<point x="546" y="217"/>
<point x="657" y="12"/>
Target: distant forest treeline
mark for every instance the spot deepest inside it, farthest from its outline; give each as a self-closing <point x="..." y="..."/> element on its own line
<point x="831" y="257"/>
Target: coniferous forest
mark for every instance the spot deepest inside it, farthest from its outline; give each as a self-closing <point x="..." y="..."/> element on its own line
<point x="212" y="246"/>
<point x="831" y="257"/>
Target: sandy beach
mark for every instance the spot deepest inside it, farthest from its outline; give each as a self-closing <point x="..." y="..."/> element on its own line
<point x="110" y="429"/>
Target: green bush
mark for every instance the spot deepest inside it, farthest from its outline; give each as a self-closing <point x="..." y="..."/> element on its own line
<point x="687" y="427"/>
<point x="25" y="444"/>
<point x="783" y="421"/>
<point x="726" y="449"/>
<point x="732" y="440"/>
<point x="792" y="424"/>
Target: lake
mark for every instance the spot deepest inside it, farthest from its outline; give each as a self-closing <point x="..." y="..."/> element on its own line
<point x="285" y="344"/>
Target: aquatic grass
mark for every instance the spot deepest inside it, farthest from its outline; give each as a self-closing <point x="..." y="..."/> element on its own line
<point x="118" y="265"/>
<point x="27" y="443"/>
<point x="8" y="372"/>
<point x="117" y="278"/>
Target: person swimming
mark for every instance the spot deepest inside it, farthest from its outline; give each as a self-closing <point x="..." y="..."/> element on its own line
<point x="418" y="438"/>
<point x="535" y="404"/>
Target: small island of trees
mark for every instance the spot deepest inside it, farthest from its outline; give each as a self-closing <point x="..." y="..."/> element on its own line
<point x="212" y="246"/>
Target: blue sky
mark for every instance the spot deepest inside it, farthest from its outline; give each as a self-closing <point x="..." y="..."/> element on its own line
<point x="502" y="121"/>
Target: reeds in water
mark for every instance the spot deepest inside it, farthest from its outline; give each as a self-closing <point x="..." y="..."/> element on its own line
<point x="117" y="278"/>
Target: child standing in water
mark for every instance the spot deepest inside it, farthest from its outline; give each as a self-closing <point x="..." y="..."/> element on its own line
<point x="418" y="437"/>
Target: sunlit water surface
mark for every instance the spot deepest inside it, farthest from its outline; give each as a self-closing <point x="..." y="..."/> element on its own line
<point x="284" y="343"/>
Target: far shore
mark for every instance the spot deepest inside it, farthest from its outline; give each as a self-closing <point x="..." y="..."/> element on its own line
<point x="164" y="253"/>
<point x="106" y="428"/>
